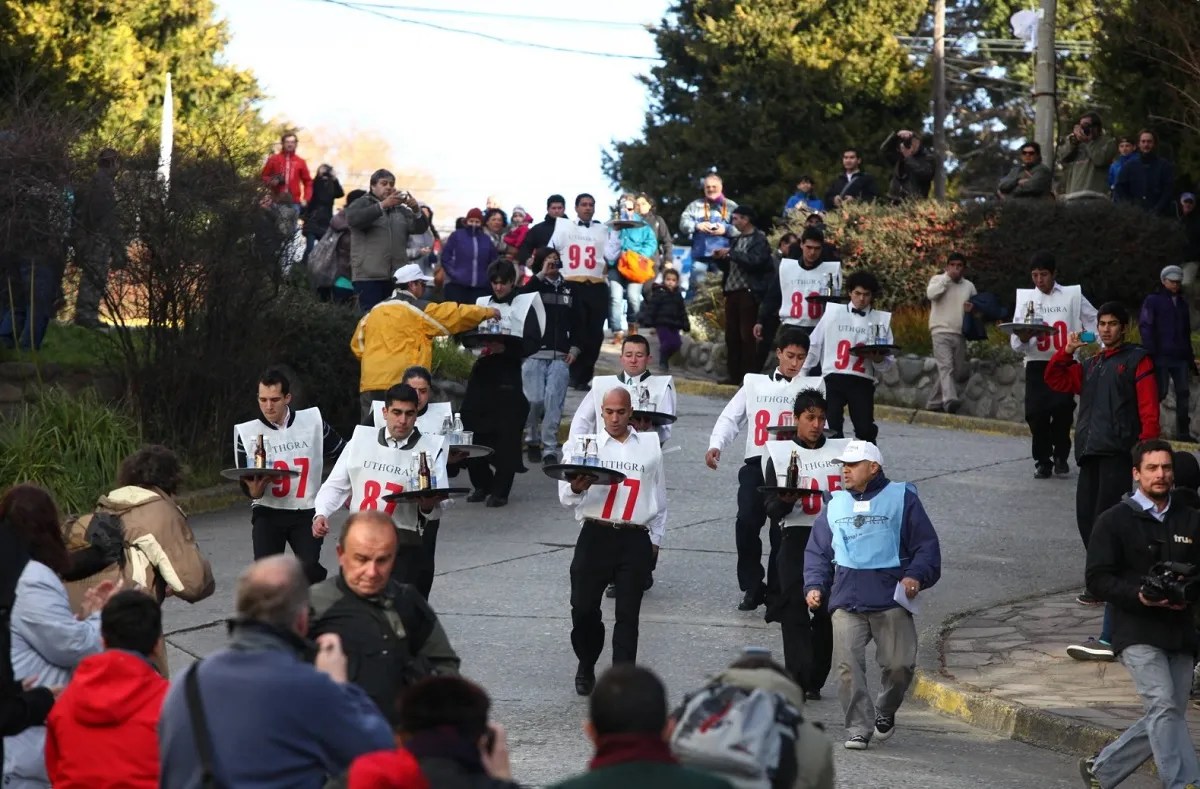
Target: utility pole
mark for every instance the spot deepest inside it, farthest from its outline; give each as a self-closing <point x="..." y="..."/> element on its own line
<point x="939" y="99"/>
<point x="1044" y="99"/>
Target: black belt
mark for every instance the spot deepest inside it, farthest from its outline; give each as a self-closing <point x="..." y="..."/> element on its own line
<point x="614" y="524"/>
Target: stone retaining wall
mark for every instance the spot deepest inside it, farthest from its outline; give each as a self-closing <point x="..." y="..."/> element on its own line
<point x="995" y="390"/>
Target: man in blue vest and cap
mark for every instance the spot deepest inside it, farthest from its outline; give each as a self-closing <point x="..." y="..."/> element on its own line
<point x="886" y="552"/>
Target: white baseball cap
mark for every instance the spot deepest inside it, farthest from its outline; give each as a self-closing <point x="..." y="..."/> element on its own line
<point x="410" y="272"/>
<point x="858" y="451"/>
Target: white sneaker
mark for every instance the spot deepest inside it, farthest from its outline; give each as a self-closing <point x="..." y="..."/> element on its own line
<point x="858" y="742"/>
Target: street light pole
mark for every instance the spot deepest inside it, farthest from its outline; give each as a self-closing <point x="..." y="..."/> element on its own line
<point x="1044" y="98"/>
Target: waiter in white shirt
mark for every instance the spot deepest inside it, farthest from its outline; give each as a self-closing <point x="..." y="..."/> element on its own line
<point x="634" y="376"/>
<point x="621" y="527"/>
<point x="1048" y="413"/>
<point x="807" y="636"/>
<point x="763" y="401"/>
<point x="585" y="246"/>
<point x="376" y="463"/>
<point x="786" y="302"/>
<point x="849" y="377"/>
<point x="281" y="510"/>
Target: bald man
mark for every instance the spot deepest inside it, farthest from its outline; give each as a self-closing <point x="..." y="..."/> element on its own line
<point x="382" y="660"/>
<point x="621" y="527"/>
<point x="275" y="715"/>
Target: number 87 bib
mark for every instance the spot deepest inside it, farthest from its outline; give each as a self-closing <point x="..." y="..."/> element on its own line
<point x="769" y="403"/>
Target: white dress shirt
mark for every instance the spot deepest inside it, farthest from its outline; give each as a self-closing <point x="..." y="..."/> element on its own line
<point x="642" y="451"/>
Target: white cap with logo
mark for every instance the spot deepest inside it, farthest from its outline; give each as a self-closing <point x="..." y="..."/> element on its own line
<point x="410" y="272"/>
<point x="858" y="451"/>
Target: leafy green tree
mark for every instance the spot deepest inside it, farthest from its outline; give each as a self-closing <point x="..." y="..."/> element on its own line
<point x="1149" y="68"/>
<point x="106" y="59"/>
<point x="765" y="90"/>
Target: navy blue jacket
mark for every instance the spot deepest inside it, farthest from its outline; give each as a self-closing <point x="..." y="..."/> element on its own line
<point x="1147" y="182"/>
<point x="864" y="591"/>
<point x="1166" y="327"/>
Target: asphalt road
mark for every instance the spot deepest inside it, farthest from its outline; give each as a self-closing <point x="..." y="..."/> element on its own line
<point x="502" y="591"/>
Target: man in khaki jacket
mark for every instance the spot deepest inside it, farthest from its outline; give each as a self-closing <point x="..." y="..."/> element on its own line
<point x="160" y="555"/>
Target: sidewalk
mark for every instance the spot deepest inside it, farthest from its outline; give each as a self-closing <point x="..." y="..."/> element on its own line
<point x="1006" y="669"/>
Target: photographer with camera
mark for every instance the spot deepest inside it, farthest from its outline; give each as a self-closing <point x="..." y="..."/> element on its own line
<point x="1085" y="155"/>
<point x="1142" y="559"/>
<point x="913" y="165"/>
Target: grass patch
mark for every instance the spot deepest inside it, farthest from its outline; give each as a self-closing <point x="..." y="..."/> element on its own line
<point x="71" y="444"/>
<point x="71" y="347"/>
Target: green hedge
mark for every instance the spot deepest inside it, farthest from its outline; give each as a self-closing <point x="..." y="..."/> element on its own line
<point x="1114" y="251"/>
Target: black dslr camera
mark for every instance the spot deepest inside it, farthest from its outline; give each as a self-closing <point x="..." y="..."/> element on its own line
<point x="1171" y="582"/>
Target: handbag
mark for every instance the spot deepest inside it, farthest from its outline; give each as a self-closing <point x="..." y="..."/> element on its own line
<point x="635" y="267"/>
<point x="322" y="261"/>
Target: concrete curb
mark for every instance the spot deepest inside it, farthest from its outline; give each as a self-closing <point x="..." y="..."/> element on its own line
<point x="217" y="497"/>
<point x="1010" y="719"/>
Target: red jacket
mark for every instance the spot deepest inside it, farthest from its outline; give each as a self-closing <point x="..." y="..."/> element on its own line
<point x="294" y="172"/>
<point x="386" y="770"/>
<point x="102" y="731"/>
<point x="1064" y="374"/>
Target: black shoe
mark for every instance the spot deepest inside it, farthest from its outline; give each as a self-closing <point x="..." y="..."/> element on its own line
<point x="496" y="501"/>
<point x="885" y="726"/>
<point x="1085" y="598"/>
<point x="953" y="406"/>
<point x="477" y="496"/>
<point x="649" y="582"/>
<point x="581" y="387"/>
<point x="812" y="695"/>
<point x="1062" y="468"/>
<point x="585" y="680"/>
<point x="550" y="458"/>
<point x="521" y="468"/>
<point x="1042" y="471"/>
<point x="752" y="599"/>
<point x="611" y="591"/>
<point x="533" y="452"/>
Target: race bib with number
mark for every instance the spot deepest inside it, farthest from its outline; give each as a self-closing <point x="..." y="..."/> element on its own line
<point x="581" y="248"/>
<point x="647" y="395"/>
<point x="298" y="447"/>
<point x="377" y="470"/>
<point x="769" y="403"/>
<point x="845" y="329"/>
<point x="515" y="314"/>
<point x="1060" y="308"/>
<point x="629" y="500"/>
<point x="818" y="471"/>
<point x="797" y="283"/>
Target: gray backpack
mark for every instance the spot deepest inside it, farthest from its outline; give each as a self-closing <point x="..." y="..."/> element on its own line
<point x="747" y="737"/>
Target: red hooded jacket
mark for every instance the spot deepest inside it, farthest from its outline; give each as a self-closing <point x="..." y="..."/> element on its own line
<point x="102" y="731"/>
<point x="293" y="172"/>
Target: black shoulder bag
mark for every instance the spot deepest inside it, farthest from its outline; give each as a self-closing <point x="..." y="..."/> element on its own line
<point x="204" y="746"/>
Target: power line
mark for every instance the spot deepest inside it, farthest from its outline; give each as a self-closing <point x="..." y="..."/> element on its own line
<point x="366" y="9"/>
<point x="510" y="17"/>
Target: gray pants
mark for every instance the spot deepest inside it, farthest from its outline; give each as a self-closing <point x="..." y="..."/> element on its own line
<point x="1163" y="680"/>
<point x="895" y="638"/>
<point x="94" y="256"/>
<point x="950" y="354"/>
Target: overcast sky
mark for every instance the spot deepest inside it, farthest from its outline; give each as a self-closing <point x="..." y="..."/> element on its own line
<point x="483" y="117"/>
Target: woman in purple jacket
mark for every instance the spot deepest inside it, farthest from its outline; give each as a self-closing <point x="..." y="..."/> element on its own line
<point x="466" y="256"/>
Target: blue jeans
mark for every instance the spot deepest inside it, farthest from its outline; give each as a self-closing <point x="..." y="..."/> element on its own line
<point x="28" y="302"/>
<point x="624" y="303"/>
<point x="1178" y="372"/>
<point x="545" y="385"/>
<point x="372" y="291"/>
<point x="1163" y="680"/>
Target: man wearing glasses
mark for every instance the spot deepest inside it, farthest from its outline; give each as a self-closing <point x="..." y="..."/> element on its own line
<point x="1030" y="178"/>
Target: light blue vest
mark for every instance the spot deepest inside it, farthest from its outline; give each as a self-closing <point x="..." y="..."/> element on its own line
<point x="868" y="539"/>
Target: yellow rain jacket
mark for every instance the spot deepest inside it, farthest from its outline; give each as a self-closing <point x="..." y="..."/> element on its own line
<point x="399" y="332"/>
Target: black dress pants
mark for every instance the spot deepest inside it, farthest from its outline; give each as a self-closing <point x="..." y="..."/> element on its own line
<point x="272" y="530"/>
<point x="494" y="474"/>
<point x="415" y="557"/>
<point x="747" y="530"/>
<point x="1049" y="415"/>
<point x="807" y="634"/>
<point x="591" y="301"/>
<point x="850" y="392"/>
<point x="605" y="555"/>
<point x="741" y="349"/>
<point x="1103" y="480"/>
